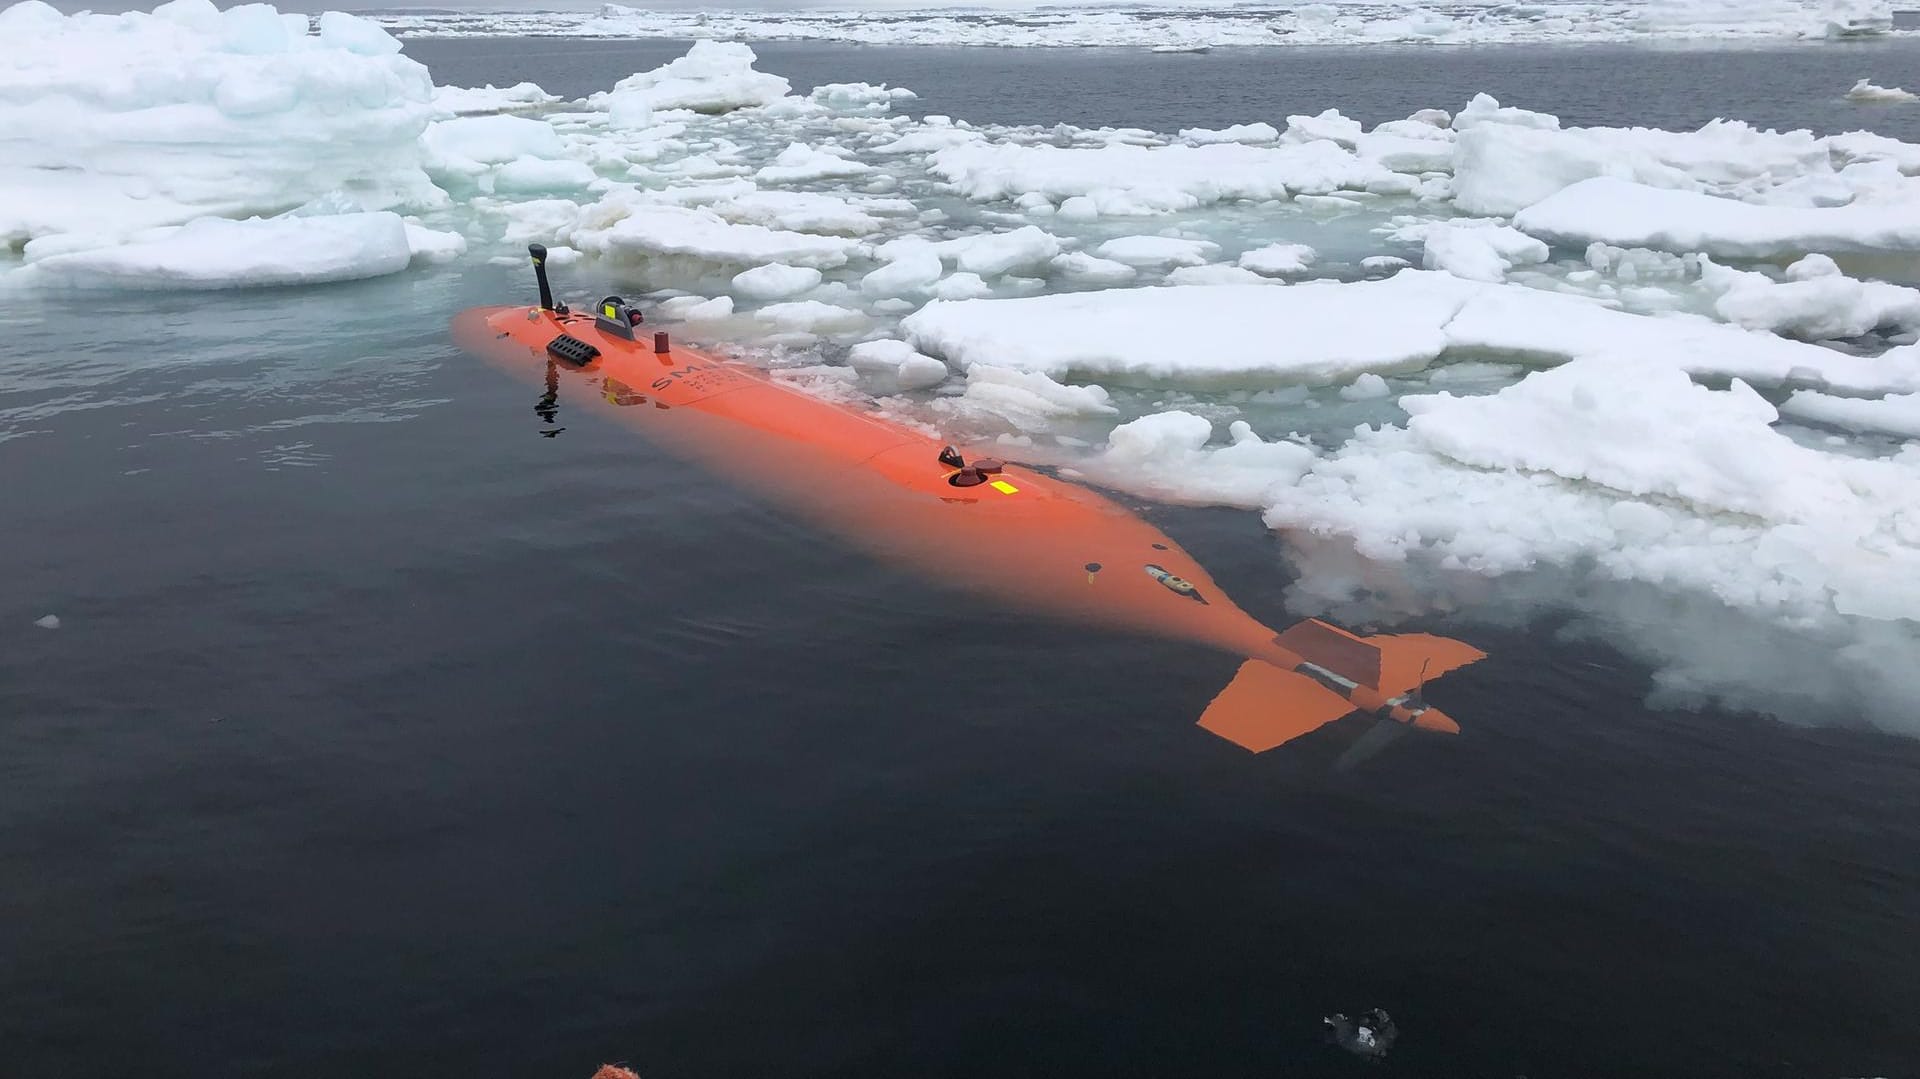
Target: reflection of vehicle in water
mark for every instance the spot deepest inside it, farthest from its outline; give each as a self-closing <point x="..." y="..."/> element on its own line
<point x="1369" y="1035"/>
<point x="1029" y="539"/>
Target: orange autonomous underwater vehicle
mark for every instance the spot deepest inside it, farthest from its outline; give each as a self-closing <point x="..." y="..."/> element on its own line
<point x="1026" y="538"/>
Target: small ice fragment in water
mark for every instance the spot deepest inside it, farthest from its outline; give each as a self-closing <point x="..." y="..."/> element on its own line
<point x="1367" y="387"/>
<point x="1370" y="1036"/>
<point x="1866" y="93"/>
<point x="51" y="621"/>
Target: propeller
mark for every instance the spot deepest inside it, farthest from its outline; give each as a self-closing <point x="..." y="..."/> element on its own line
<point x="1382" y="734"/>
<point x="1378" y="737"/>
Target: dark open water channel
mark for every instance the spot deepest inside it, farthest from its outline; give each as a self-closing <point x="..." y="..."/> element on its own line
<point x="434" y="747"/>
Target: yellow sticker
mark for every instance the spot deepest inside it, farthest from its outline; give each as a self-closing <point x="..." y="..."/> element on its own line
<point x="1004" y="487"/>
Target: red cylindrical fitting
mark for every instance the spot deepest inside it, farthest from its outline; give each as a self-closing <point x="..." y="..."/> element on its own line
<point x="660" y="341"/>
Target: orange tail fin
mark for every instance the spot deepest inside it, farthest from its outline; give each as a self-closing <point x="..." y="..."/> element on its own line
<point x="1265" y="706"/>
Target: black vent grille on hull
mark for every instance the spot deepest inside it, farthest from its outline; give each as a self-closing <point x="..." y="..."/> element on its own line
<point x="571" y="349"/>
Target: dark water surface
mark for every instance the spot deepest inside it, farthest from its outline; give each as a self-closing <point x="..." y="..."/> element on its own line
<point x="1675" y="86"/>
<point x="382" y="736"/>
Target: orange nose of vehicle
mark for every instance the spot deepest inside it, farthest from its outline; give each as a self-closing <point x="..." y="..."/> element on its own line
<point x="1433" y="719"/>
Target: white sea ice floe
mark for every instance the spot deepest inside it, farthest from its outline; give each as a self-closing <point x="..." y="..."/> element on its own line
<point x="909" y="369"/>
<point x="1626" y="465"/>
<point x="1082" y="268"/>
<point x="1027" y="400"/>
<point x="1502" y="167"/>
<point x="1322" y="332"/>
<point x="961" y="286"/>
<point x="433" y="245"/>
<point x="1171" y="455"/>
<point x="669" y="244"/>
<point x="464" y="101"/>
<point x="859" y="97"/>
<point x="812" y="316"/>
<point x="1256" y="133"/>
<point x="214" y="253"/>
<point x="1218" y="273"/>
<point x="534" y="175"/>
<point x="1479" y="250"/>
<point x="1866" y="93"/>
<point x="713" y="77"/>
<point x="48" y="621"/>
<point x="911" y="272"/>
<point x="1278" y="260"/>
<point x="800" y="162"/>
<point x="796" y="211"/>
<point x="1314" y="333"/>
<point x="1329" y="125"/>
<point x="1367" y="387"/>
<point x="469" y="147"/>
<point x="1894" y="414"/>
<point x="1815" y="303"/>
<point x="1121" y="178"/>
<point x="1628" y="214"/>
<point x="114" y="123"/>
<point x="775" y="281"/>
<point x="1157" y="251"/>
<point x="1186" y="29"/>
<point x="988" y="254"/>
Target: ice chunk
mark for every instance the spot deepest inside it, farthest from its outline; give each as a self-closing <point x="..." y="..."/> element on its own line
<point x="492" y="139"/>
<point x="1628" y="467"/>
<point x="676" y="241"/>
<point x="1080" y="267"/>
<point x="1121" y="178"/>
<point x="1486" y="109"/>
<point x="213" y="253"/>
<point x="775" y="281"/>
<point x="713" y="77"/>
<point x="1367" y="387"/>
<point x="48" y="621"/>
<point x="1247" y="133"/>
<point x="1501" y="169"/>
<point x="910" y="370"/>
<point x="1028" y="400"/>
<point x="1168" y="454"/>
<point x="1897" y="414"/>
<point x="797" y="211"/>
<point x="860" y="97"/>
<point x="1278" y="260"/>
<point x="988" y="254"/>
<point x="354" y="34"/>
<point x="1330" y="331"/>
<point x="1315" y="332"/>
<point x="961" y="286"/>
<point x="1216" y="274"/>
<point x="1865" y="92"/>
<point x="115" y="123"/>
<point x="1329" y="125"/>
<point x="461" y="101"/>
<point x="1157" y="251"/>
<point x="431" y="245"/>
<point x="1539" y="326"/>
<point x="800" y="162"/>
<point x="1634" y="215"/>
<point x="1812" y="304"/>
<point x="532" y="174"/>
<point x="1480" y="252"/>
<point x="908" y="273"/>
<point x="812" y="316"/>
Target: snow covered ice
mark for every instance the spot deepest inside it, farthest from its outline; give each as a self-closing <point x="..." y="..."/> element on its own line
<point x="1183" y="28"/>
<point x="1473" y="345"/>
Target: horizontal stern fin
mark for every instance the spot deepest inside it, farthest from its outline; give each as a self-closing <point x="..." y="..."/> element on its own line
<point x="1409" y="660"/>
<point x="1265" y="706"/>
